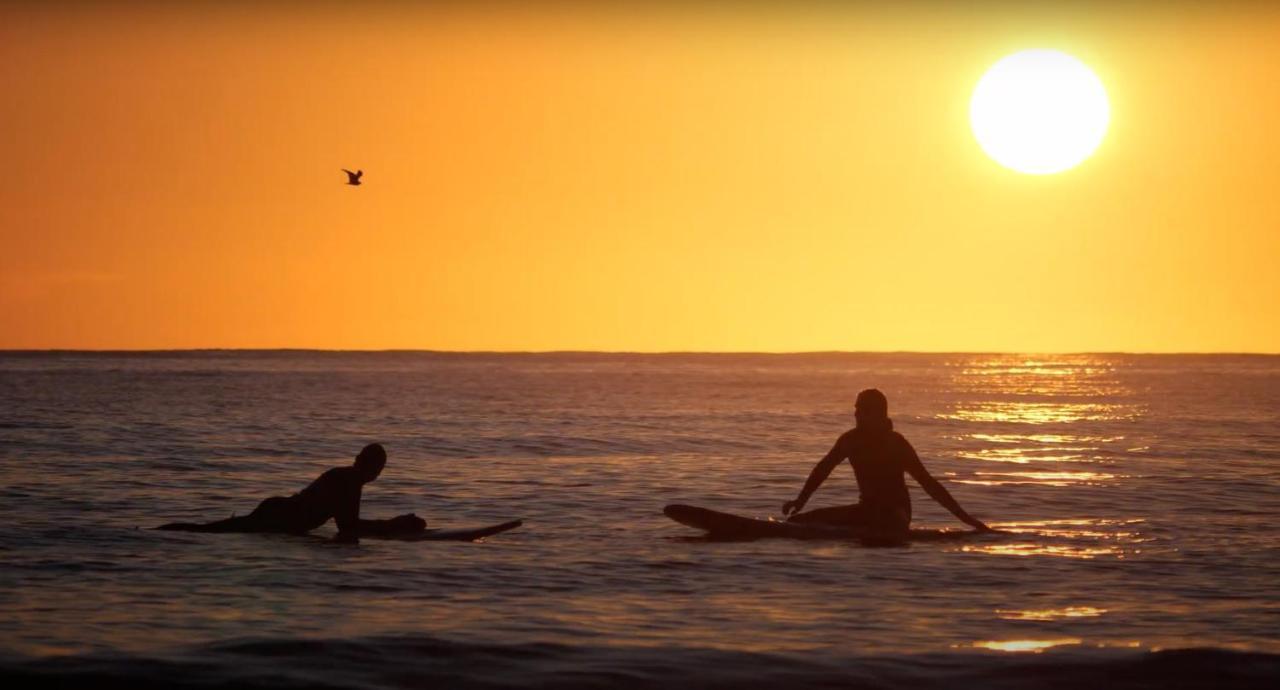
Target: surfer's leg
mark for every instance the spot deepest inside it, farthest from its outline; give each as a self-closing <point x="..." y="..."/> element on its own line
<point x="244" y="523"/>
<point x="272" y="515"/>
<point x="887" y="526"/>
<point x="279" y="514"/>
<point x="842" y="516"/>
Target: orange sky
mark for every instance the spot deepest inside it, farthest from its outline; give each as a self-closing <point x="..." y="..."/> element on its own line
<point x="777" y="180"/>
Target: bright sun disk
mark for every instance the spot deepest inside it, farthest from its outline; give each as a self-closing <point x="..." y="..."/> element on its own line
<point x="1039" y="112"/>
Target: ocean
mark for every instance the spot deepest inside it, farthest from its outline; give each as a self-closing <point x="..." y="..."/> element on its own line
<point x="1135" y="497"/>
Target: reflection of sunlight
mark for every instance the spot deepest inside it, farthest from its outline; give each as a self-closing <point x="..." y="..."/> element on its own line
<point x="1051" y="614"/>
<point x="1020" y="375"/>
<point x="48" y="650"/>
<point x="1102" y="528"/>
<point x="1041" y="412"/>
<point x="1075" y="377"/>
<point x="1033" y="368"/>
<point x="1022" y="456"/>
<point x="1021" y="366"/>
<point x="1041" y="478"/>
<point x="1045" y="438"/>
<point x="1035" y="646"/>
<point x="1102" y="537"/>
<point x="1059" y="550"/>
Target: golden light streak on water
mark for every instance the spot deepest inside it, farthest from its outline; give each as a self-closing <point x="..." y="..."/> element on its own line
<point x="1050" y="614"/>
<point x="1042" y="412"/>
<point x="1023" y="456"/>
<point x="1033" y="646"/>
<point x="1040" y="478"/>
<point x="1056" y="550"/>
<point x="1045" y="438"/>
<point x="1022" y="376"/>
<point x="1079" y="528"/>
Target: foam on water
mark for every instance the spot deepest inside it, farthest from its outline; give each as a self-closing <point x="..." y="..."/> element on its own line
<point x="1136" y="495"/>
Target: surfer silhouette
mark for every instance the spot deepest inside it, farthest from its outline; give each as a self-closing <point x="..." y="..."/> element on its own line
<point x="881" y="458"/>
<point x="334" y="494"/>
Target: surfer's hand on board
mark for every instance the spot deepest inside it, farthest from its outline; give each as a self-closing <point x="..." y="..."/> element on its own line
<point x="978" y="524"/>
<point x="791" y="507"/>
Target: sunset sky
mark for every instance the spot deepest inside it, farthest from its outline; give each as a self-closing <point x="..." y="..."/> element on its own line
<point x="680" y="179"/>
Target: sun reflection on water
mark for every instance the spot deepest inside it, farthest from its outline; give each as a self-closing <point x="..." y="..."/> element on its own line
<point x="1022" y="456"/>
<point x="1033" y="549"/>
<point x="1050" y="614"/>
<point x="1074" y="398"/>
<point x="1023" y="375"/>
<point x="1041" y="412"/>
<point x="1075" y="377"/>
<point x="1045" y="439"/>
<point x="1033" y="646"/>
<point x="1080" y="528"/>
<point x="1039" y="478"/>
<point x="1080" y="538"/>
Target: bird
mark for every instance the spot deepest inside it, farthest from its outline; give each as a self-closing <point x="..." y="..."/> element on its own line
<point x="353" y="178"/>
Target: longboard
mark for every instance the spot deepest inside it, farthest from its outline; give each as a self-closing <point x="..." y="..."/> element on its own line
<point x="471" y="534"/>
<point x="729" y="526"/>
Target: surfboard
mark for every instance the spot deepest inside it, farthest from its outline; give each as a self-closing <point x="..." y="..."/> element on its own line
<point x="728" y="526"/>
<point x="470" y="534"/>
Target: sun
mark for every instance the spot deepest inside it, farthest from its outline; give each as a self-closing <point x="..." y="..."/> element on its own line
<point x="1039" y="112"/>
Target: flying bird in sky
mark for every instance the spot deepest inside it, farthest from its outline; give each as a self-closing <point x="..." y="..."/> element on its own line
<point x="353" y="178"/>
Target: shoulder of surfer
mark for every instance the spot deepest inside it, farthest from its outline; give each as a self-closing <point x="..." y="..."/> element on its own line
<point x="336" y="476"/>
<point x="855" y="433"/>
<point x="897" y="439"/>
<point x="854" y="439"/>
<point x="344" y="475"/>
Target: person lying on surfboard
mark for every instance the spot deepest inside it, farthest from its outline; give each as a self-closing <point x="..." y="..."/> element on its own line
<point x="334" y="494"/>
<point x="880" y="457"/>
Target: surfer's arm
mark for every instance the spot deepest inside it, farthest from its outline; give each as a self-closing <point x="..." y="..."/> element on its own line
<point x="350" y="524"/>
<point x="820" y="472"/>
<point x="936" y="490"/>
<point x="399" y="525"/>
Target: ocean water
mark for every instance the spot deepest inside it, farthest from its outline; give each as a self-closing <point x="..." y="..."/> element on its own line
<point x="1136" y="495"/>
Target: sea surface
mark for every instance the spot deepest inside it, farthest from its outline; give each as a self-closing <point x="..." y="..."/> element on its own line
<point x="1136" y="496"/>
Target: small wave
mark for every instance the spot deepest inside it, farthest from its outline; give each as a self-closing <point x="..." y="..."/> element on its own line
<point x="44" y="426"/>
<point x="411" y="662"/>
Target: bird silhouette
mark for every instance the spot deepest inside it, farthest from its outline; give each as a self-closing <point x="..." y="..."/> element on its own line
<point x="353" y="177"/>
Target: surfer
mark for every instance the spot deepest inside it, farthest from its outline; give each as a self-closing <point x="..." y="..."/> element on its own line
<point x="334" y="494"/>
<point x="880" y="457"/>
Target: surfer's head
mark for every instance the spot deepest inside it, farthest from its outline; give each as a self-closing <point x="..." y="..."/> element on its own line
<point x="370" y="461"/>
<point x="872" y="410"/>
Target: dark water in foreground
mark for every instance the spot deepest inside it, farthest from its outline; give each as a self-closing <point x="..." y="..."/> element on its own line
<point x="1138" y="496"/>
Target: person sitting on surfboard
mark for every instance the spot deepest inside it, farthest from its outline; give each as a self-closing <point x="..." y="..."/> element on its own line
<point x="880" y="457"/>
<point x="334" y="494"/>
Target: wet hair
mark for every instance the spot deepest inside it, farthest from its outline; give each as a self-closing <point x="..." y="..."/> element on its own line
<point x="374" y="454"/>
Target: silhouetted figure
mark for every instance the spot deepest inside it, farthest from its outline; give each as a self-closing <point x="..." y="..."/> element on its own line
<point x="880" y="457"/>
<point x="353" y="178"/>
<point x="335" y="494"/>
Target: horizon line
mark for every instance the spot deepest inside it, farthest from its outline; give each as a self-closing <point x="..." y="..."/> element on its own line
<point x="105" y="351"/>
